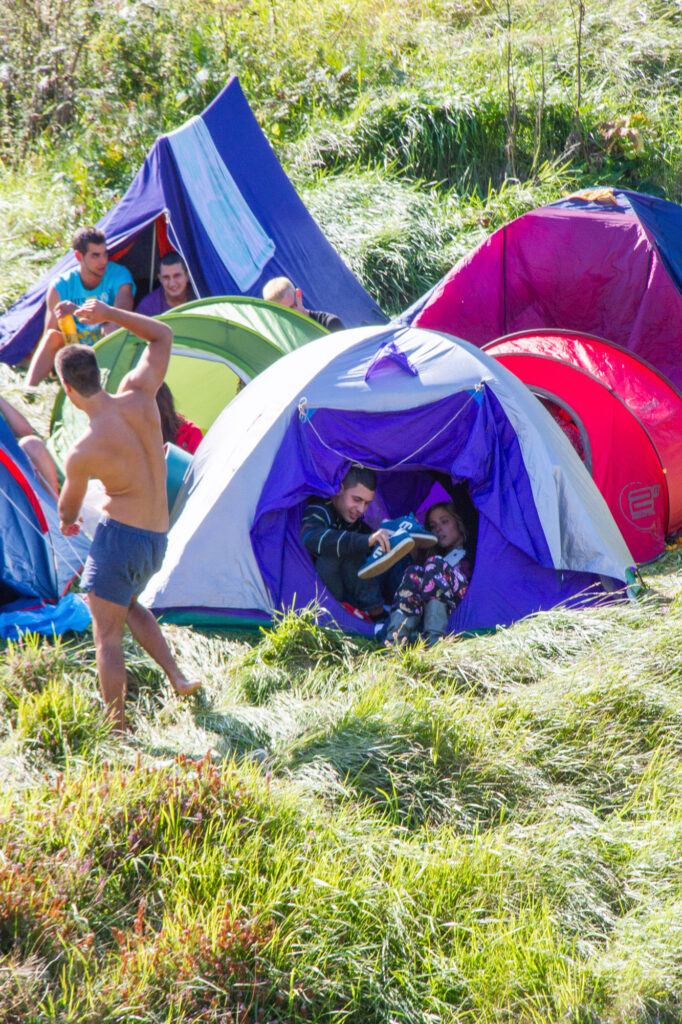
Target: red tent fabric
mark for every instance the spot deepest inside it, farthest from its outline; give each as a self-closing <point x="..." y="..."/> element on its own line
<point x="628" y="419"/>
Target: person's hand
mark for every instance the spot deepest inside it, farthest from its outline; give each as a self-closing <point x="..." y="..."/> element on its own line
<point x="380" y="537"/>
<point x="65" y="308"/>
<point x="70" y="529"/>
<point x="93" y="312"/>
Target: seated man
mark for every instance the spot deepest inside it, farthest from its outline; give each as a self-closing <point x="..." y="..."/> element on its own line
<point x="282" y="291"/>
<point x="174" y="287"/>
<point x="94" y="278"/>
<point x="32" y="446"/>
<point x="334" y="532"/>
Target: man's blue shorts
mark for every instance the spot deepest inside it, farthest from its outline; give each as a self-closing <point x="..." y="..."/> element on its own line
<point x="121" y="560"/>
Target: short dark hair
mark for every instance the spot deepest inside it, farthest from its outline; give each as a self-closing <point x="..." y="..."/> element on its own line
<point x="170" y="259"/>
<point x="77" y="367"/>
<point x="87" y="236"/>
<point x="360" y="475"/>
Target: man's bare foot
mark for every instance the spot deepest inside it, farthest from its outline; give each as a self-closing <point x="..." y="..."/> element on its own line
<point x="183" y="687"/>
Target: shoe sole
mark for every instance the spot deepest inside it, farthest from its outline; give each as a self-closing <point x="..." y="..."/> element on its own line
<point x="425" y="540"/>
<point x="389" y="559"/>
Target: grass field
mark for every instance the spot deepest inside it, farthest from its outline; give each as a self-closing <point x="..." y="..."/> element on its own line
<point x="485" y="831"/>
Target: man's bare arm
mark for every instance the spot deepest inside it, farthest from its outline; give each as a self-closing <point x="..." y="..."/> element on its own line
<point x="50" y="314"/>
<point x="123" y="300"/>
<point x="72" y="493"/>
<point x="151" y="369"/>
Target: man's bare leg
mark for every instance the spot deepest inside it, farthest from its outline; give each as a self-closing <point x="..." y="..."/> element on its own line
<point x="147" y="632"/>
<point x="108" y="622"/>
<point x="42" y="461"/>
<point x="42" y="362"/>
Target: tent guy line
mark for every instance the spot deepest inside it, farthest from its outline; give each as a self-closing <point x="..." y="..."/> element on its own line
<point x="306" y="417"/>
<point x="76" y="572"/>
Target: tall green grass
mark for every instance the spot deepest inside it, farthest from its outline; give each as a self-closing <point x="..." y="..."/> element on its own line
<point x="399" y="237"/>
<point x="483" y="831"/>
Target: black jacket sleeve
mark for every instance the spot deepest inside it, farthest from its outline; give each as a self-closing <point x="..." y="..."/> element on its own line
<point x="319" y="537"/>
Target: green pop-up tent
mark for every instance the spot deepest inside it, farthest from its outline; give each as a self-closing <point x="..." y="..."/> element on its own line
<point x="219" y="344"/>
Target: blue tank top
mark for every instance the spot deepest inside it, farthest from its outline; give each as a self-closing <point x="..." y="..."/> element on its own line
<point x="70" y="287"/>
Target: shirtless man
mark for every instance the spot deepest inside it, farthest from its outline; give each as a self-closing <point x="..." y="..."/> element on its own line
<point x="122" y="447"/>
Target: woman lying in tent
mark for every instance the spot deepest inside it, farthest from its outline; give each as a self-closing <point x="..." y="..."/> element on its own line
<point x="429" y="592"/>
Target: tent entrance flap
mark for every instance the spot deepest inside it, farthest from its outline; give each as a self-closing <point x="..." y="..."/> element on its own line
<point x="478" y="447"/>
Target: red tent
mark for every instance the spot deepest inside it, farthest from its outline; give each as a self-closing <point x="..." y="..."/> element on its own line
<point x="623" y="417"/>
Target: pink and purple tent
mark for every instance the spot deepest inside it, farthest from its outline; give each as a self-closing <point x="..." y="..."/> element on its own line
<point x="602" y="264"/>
<point x="606" y="262"/>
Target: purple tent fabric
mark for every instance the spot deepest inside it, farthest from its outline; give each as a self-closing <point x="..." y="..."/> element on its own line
<point x="607" y="264"/>
<point x="302" y="253"/>
<point x="466" y="437"/>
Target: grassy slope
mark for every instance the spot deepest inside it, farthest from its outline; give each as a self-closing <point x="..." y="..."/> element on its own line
<point x="485" y="831"/>
<point x="488" y="831"/>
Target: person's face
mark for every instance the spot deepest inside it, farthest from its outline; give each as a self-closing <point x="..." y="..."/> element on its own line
<point x="446" y="528"/>
<point x="352" y="502"/>
<point x="174" y="280"/>
<point x="292" y="299"/>
<point x="94" y="260"/>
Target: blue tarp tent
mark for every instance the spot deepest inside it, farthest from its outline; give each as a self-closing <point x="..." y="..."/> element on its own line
<point x="37" y="563"/>
<point x="214" y="191"/>
<point x="426" y="412"/>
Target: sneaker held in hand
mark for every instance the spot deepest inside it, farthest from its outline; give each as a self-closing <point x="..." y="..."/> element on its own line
<point x="410" y="525"/>
<point x="379" y="561"/>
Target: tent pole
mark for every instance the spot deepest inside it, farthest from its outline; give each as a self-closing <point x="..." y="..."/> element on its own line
<point x="151" y="265"/>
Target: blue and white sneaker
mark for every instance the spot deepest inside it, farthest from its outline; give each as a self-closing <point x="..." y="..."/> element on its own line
<point x="410" y="525"/>
<point x="379" y="561"/>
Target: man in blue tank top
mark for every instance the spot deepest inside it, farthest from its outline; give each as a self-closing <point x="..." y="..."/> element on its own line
<point x="95" y="277"/>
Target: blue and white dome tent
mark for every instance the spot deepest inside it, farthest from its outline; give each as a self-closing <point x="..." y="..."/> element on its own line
<point x="419" y="407"/>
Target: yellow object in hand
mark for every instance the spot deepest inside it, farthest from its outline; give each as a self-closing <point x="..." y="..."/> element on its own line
<point x="67" y="325"/>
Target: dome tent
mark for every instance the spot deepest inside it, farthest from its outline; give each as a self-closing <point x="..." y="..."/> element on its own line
<point x="628" y="416"/>
<point x="37" y="563"/>
<point x="606" y="262"/>
<point x="419" y="407"/>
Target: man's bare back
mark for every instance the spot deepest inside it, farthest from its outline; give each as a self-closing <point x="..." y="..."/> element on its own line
<point x="123" y="448"/>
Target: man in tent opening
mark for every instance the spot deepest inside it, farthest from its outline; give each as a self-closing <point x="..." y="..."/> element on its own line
<point x="282" y="291"/>
<point x="334" y="532"/>
<point x="95" y="277"/>
<point x="348" y="554"/>
<point x="122" y="448"/>
<point x="174" y="287"/>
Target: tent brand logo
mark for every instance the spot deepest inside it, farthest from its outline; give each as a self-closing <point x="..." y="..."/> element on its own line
<point x="637" y="503"/>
